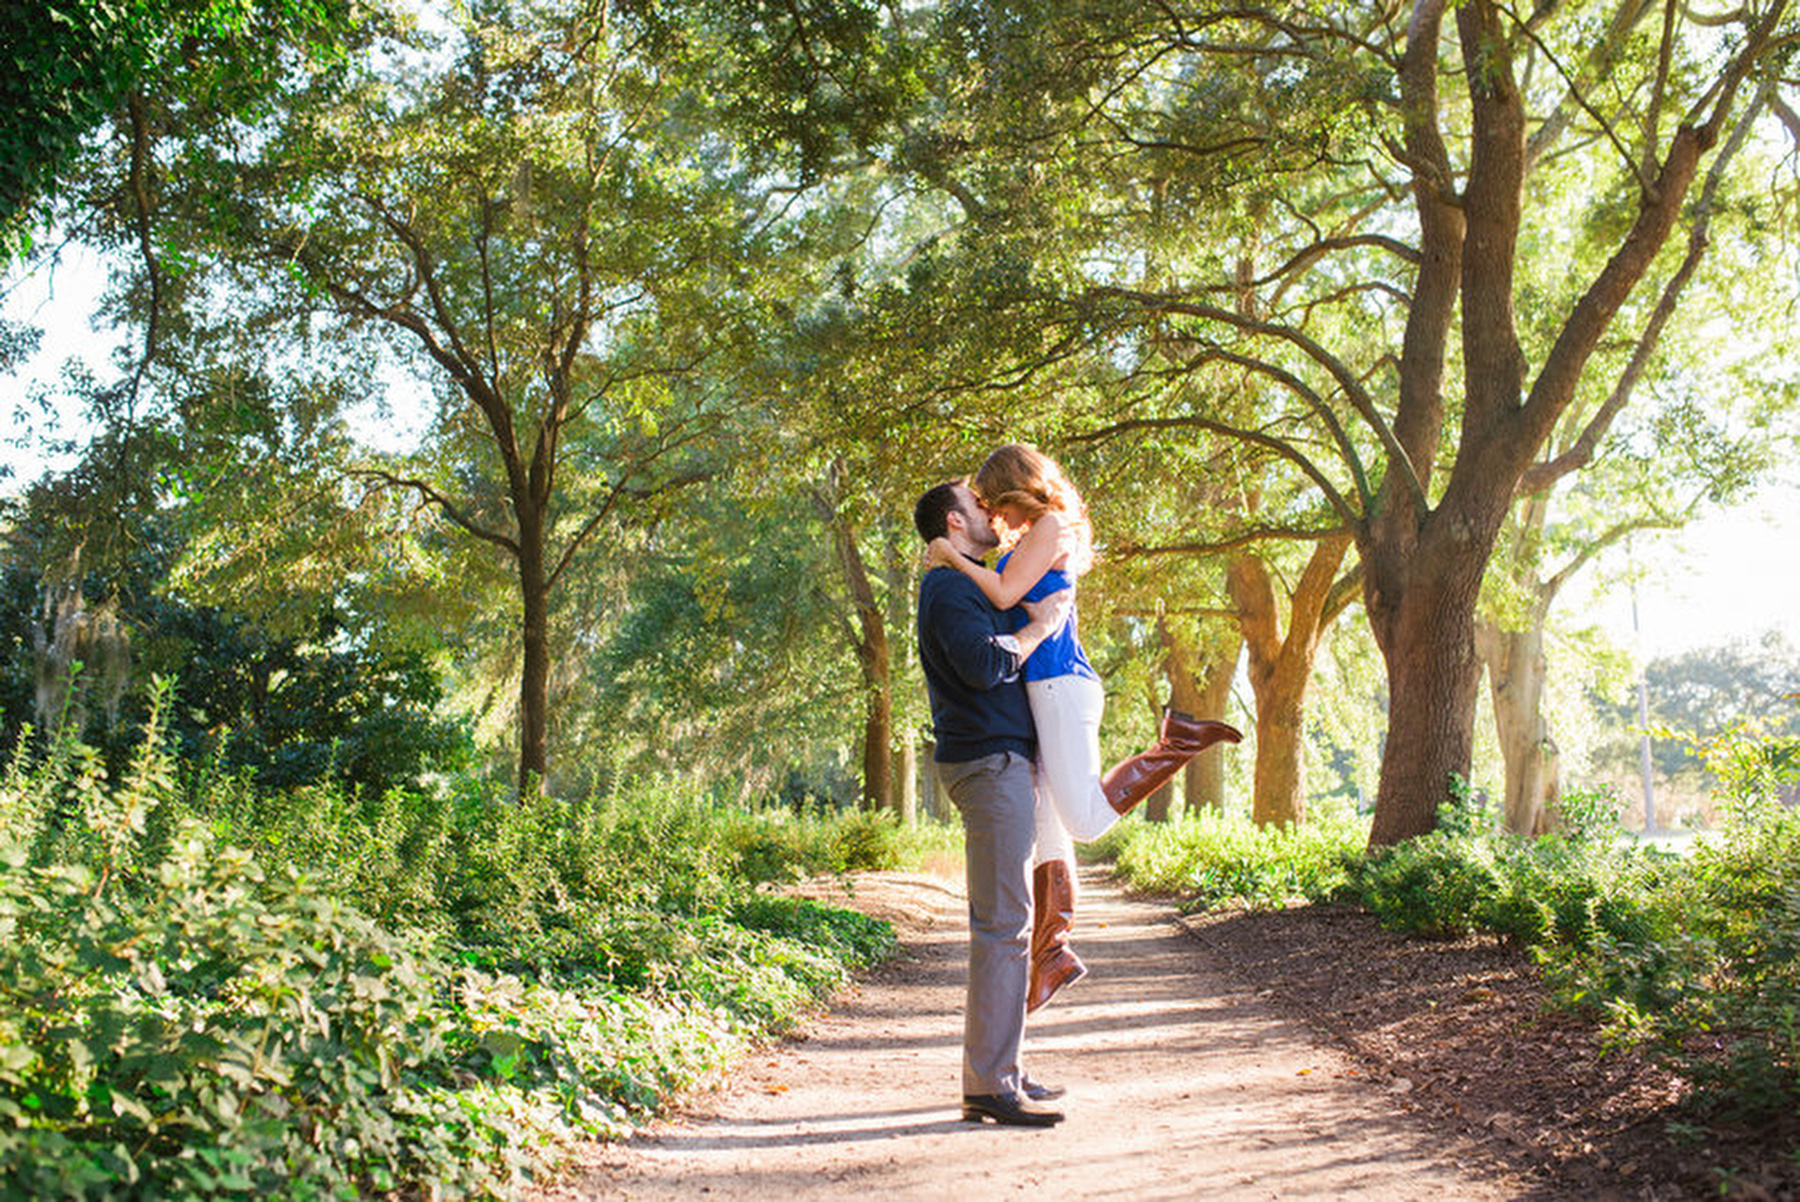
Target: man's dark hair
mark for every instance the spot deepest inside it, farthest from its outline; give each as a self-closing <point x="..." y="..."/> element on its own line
<point x="932" y="514"/>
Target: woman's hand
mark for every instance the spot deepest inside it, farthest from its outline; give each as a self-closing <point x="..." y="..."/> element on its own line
<point x="939" y="553"/>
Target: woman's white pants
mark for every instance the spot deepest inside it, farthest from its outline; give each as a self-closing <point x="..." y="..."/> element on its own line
<point x="1070" y="803"/>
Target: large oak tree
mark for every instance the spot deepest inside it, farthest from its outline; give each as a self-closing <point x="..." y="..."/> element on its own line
<point x="1375" y="168"/>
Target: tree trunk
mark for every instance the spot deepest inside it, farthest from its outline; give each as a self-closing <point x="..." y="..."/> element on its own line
<point x="1280" y="789"/>
<point x="534" y="677"/>
<point x="1424" y="564"/>
<point x="928" y="782"/>
<point x="1424" y="625"/>
<point x="1205" y="785"/>
<point x="878" y="757"/>
<point x="901" y="588"/>
<point x="1200" y="684"/>
<point x="1281" y="668"/>
<point x="1516" y="673"/>
<point x="906" y="778"/>
<point x="869" y="639"/>
<point x="1157" y="805"/>
<point x="1517" y="668"/>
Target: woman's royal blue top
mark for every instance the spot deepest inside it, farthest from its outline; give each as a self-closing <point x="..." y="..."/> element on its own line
<point x="1061" y="653"/>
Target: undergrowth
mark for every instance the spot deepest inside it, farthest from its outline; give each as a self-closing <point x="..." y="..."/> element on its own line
<point x="206" y="990"/>
<point x="1695" y="958"/>
<point x="1212" y="860"/>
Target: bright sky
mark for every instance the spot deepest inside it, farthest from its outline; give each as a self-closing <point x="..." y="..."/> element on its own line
<point x="58" y="301"/>
<point x="1730" y="576"/>
<point x="61" y="302"/>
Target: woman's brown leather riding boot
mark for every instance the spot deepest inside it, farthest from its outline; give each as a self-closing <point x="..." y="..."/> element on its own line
<point x="1181" y="738"/>
<point x="1053" y="965"/>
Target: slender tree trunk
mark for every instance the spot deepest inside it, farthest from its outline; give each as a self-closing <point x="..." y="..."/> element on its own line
<point x="1281" y="668"/>
<point x="928" y="781"/>
<point x="869" y="639"/>
<point x="1155" y="807"/>
<point x="1200" y="683"/>
<point x="878" y="757"/>
<point x="1158" y="805"/>
<point x="901" y="588"/>
<point x="906" y="778"/>
<point x="1516" y="672"/>
<point x="534" y="677"/>
<point x="1205" y="785"/>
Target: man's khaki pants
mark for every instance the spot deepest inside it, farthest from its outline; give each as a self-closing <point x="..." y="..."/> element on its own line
<point x="995" y="796"/>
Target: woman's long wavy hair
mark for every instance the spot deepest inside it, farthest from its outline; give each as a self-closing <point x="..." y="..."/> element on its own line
<point x="1020" y="474"/>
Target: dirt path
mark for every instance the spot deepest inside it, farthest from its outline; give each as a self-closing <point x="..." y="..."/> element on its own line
<point x="1180" y="1086"/>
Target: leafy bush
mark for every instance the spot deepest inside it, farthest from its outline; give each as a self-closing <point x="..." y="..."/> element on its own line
<point x="1528" y="891"/>
<point x="380" y="991"/>
<point x="1697" y="958"/>
<point x="1437" y="885"/>
<point x="1710" y="976"/>
<point x="1214" y="860"/>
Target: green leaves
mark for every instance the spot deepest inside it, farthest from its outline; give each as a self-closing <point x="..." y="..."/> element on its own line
<point x="179" y="1018"/>
<point x="1216" y="861"/>
<point x="69" y="63"/>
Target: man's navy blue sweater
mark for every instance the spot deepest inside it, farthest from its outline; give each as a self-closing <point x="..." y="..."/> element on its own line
<point x="978" y="704"/>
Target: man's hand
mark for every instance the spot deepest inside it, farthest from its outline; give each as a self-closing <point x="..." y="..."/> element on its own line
<point x="1047" y="617"/>
<point x="1052" y="611"/>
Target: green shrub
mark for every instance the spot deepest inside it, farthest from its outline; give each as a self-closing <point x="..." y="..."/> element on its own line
<point x="858" y="940"/>
<point x="780" y="845"/>
<point x="1214" y="860"/>
<point x="1705" y="968"/>
<point x="1438" y="885"/>
<point x="379" y="992"/>
<point x="1696" y="957"/>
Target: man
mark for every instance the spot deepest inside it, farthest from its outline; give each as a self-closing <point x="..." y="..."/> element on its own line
<point x="986" y="746"/>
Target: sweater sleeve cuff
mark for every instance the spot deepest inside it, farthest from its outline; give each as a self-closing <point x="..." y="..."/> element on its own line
<point x="1010" y="646"/>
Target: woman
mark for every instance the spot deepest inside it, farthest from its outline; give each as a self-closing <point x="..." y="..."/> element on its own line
<point x="1052" y="546"/>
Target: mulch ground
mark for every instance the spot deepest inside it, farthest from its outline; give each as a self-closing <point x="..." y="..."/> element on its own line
<point x="1464" y="1032"/>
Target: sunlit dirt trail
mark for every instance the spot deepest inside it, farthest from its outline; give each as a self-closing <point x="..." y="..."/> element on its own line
<point x="1180" y="1086"/>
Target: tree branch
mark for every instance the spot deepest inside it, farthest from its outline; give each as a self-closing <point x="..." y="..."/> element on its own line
<point x="1544" y="475"/>
<point x="1344" y="590"/>
<point x="1281" y="447"/>
<point x="1603" y="54"/>
<point x="1314" y="402"/>
<point x="1233" y="542"/>
<point x="1631" y="161"/>
<point x="444" y="504"/>
<point x="1555" y="383"/>
<point x="1548" y="590"/>
<point x="1358" y="396"/>
<point x="140" y="195"/>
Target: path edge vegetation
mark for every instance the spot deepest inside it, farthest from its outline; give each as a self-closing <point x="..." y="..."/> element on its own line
<point x="208" y="989"/>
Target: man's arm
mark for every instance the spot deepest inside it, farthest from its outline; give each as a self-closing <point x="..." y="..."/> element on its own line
<point x="1047" y="617"/>
<point x="963" y="625"/>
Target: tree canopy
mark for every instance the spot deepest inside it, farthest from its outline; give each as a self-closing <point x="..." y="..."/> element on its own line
<point x="1316" y="301"/>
